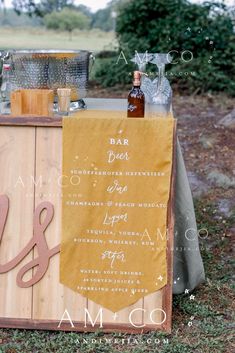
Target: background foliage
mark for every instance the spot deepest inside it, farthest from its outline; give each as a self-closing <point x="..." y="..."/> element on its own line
<point x="40" y="8"/>
<point x="206" y="30"/>
<point x="101" y="19"/>
<point x="66" y="20"/>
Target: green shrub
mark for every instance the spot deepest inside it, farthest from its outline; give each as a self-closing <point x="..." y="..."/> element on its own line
<point x="110" y="73"/>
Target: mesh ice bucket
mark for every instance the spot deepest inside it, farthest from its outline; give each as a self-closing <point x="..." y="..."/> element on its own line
<point x="51" y="69"/>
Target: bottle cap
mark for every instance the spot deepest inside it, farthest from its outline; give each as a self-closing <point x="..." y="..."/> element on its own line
<point x="137" y="77"/>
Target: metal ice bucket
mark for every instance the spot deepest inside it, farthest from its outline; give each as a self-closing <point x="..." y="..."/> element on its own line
<point x="50" y="69"/>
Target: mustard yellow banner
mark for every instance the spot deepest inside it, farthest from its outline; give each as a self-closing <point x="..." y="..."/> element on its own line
<point x="116" y="184"/>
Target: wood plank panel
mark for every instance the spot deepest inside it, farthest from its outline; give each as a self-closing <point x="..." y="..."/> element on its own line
<point x="17" y="152"/>
<point x="30" y="174"/>
<point x="50" y="298"/>
<point x="78" y="326"/>
<point x="9" y="120"/>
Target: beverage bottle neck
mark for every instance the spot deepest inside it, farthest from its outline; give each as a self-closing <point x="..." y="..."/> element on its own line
<point x="136" y="83"/>
<point x="137" y="79"/>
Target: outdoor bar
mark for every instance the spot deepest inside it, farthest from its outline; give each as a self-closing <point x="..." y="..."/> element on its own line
<point x="95" y="201"/>
<point x="117" y="178"/>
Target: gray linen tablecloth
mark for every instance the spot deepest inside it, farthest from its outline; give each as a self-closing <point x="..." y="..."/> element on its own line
<point x="188" y="267"/>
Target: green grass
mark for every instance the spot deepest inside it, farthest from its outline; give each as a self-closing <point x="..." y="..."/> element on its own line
<point x="212" y="311"/>
<point x="40" y="38"/>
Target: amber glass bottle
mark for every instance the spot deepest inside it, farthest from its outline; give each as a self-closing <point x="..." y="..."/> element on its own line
<point x="136" y="99"/>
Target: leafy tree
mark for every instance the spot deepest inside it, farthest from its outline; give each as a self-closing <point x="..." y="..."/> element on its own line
<point x="103" y="18"/>
<point x="10" y="18"/>
<point x="2" y="6"/>
<point x="41" y="8"/>
<point x="177" y="24"/>
<point x="85" y="10"/>
<point x="66" y="20"/>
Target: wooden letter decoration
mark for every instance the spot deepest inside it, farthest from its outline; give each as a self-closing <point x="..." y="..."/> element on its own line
<point x="44" y="254"/>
